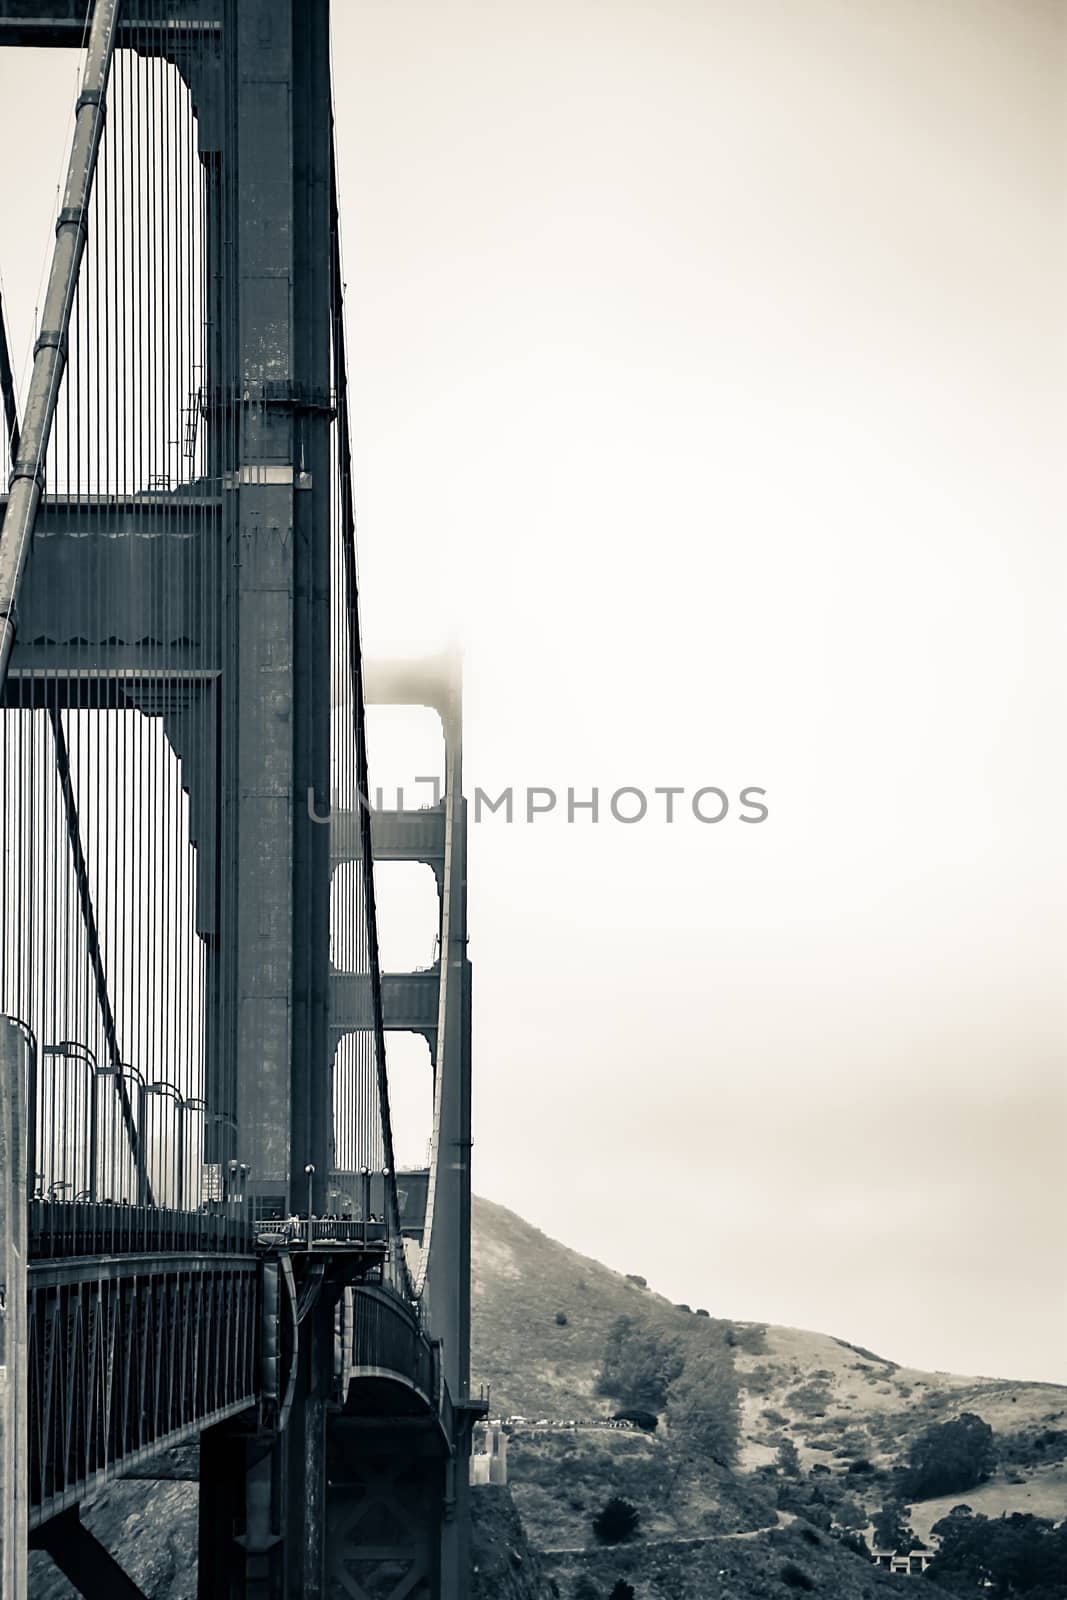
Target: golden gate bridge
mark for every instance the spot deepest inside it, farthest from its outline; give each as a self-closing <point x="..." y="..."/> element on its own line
<point x="202" y="1233"/>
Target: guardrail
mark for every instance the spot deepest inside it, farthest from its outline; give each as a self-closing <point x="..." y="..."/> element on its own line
<point x="381" y="1332"/>
<point x="127" y="1357"/>
<point x="59" y="1229"/>
<point x="298" y="1233"/>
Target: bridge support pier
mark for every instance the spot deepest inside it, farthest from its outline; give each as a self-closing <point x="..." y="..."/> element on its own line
<point x="262" y="1491"/>
<point x="384" y="1505"/>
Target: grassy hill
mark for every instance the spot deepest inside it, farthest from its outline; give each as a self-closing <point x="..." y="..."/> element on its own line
<point x="542" y="1315"/>
<point x="826" y="1390"/>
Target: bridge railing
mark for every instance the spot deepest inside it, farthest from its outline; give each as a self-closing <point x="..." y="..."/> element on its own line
<point x="106" y="1177"/>
<point x="127" y="1356"/>
<point x="381" y="1333"/>
<point x="58" y="1230"/>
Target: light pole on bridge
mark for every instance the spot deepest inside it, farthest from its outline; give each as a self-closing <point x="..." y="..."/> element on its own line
<point x="71" y="1050"/>
<point x="183" y="1103"/>
<point x="123" y="1069"/>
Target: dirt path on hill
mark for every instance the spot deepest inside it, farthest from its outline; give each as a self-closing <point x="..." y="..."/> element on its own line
<point x="649" y="1544"/>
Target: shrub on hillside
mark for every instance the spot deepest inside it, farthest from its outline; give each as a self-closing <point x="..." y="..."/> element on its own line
<point x="751" y="1337"/>
<point x="561" y="1319"/>
<point x="1032" y="1449"/>
<point x="850" y="1513"/>
<point x="792" y="1575"/>
<point x="851" y="1539"/>
<point x="818" y="1516"/>
<point x="950" y="1456"/>
<point x="622" y="1591"/>
<point x="616" y="1520"/>
<point x="810" y="1398"/>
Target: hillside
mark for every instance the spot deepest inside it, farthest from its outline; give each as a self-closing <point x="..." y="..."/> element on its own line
<point x="542" y="1315"/>
<point x="831" y="1395"/>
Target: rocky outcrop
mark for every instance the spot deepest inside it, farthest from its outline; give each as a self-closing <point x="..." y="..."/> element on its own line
<point x="149" y="1527"/>
<point x="503" y="1565"/>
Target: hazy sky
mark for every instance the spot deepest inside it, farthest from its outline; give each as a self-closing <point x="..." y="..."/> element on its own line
<point x="709" y="364"/>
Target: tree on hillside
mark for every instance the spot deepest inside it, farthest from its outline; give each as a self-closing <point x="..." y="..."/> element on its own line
<point x="949" y="1522"/>
<point x="789" y="1459"/>
<point x="997" y="1558"/>
<point x="892" y="1530"/>
<point x="949" y="1456"/>
<point x="850" y="1513"/>
<point x="622" y="1591"/>
<point x="638" y="1365"/>
<point x="616" y="1520"/>
<point x="852" y="1539"/>
<point x="703" y="1406"/>
<point x="818" y="1515"/>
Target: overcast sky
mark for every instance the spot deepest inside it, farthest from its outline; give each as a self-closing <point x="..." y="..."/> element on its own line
<point x="709" y="364"/>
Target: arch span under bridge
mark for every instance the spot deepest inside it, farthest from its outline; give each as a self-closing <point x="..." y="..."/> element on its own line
<point x="202" y="1234"/>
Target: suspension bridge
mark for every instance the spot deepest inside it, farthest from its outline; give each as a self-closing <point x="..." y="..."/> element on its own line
<point x="203" y="1236"/>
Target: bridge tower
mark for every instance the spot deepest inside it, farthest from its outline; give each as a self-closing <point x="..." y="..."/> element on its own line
<point x="341" y="1466"/>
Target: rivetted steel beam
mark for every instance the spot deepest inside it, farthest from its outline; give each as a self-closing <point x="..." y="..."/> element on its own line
<point x="409" y="1000"/>
<point x="60" y="24"/>
<point x="50" y="351"/>
<point x="42" y="22"/>
<point x="395" y="836"/>
<point x="108" y="587"/>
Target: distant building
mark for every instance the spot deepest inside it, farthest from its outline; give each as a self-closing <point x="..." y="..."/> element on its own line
<point x="490" y="1463"/>
<point x="913" y="1565"/>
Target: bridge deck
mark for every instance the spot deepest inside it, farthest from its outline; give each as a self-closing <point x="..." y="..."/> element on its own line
<point x="128" y="1356"/>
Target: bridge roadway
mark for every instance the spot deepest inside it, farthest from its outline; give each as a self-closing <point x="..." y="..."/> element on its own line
<point x="164" y="1329"/>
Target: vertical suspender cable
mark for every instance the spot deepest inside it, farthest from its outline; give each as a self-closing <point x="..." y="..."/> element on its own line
<point x="49" y="353"/>
<point x="70" y="806"/>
